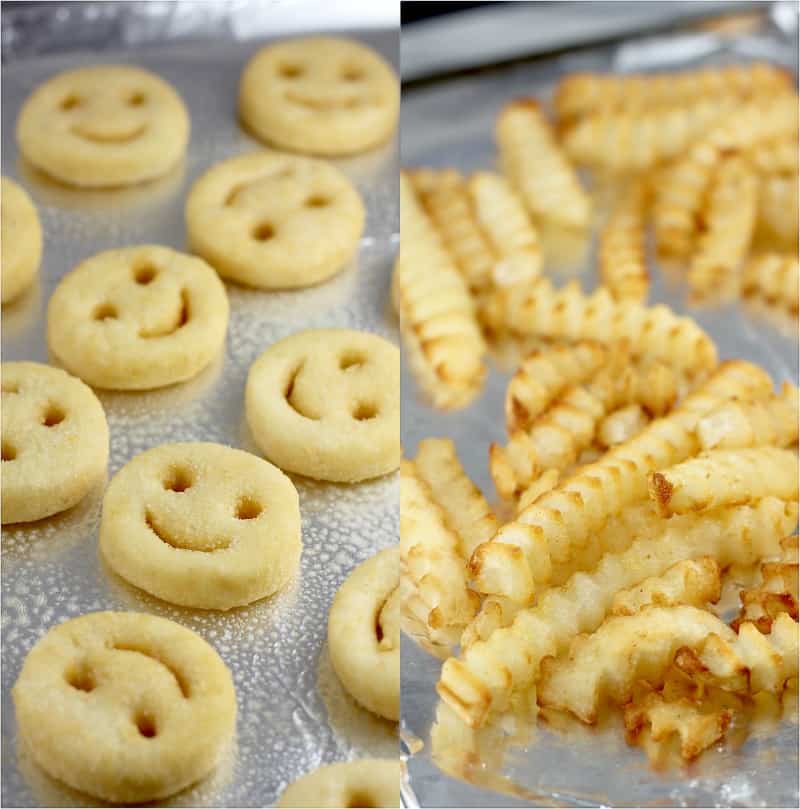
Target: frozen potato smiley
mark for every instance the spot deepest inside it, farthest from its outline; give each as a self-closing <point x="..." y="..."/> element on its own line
<point x="103" y="126"/>
<point x="320" y="95"/>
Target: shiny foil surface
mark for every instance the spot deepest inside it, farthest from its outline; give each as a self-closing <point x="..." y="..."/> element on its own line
<point x="293" y="714"/>
<point x="450" y="123"/>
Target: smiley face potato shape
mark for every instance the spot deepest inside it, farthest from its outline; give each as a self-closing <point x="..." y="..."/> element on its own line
<point x="320" y="95"/>
<point x="274" y="220"/>
<point x="138" y="318"/>
<point x="325" y="403"/>
<point x="202" y="525"/>
<point x="103" y="126"/>
<point x="124" y="706"/>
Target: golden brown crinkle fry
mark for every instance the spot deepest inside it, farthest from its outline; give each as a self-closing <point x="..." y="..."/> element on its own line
<point x="487" y="673"/>
<point x="747" y="662"/>
<point x="430" y="551"/>
<point x="680" y="196"/>
<point x="727" y="225"/>
<point x="562" y="521"/>
<point x="544" y="375"/>
<point x="438" y="324"/>
<point x="582" y="93"/>
<point x="495" y="613"/>
<point x="621" y="425"/>
<point x="774" y="278"/>
<point x="693" y="581"/>
<point x="776" y="593"/>
<point x="624" y="649"/>
<point x="445" y="197"/>
<point x="556" y="438"/>
<point x="537" y="168"/>
<point x="621" y="254"/>
<point x="752" y="424"/>
<point x="654" y="332"/>
<point x="465" y="506"/>
<point x="725" y="477"/>
<point x="507" y="227"/>
<point x="633" y="140"/>
<point x="775" y="155"/>
<point x="546" y="481"/>
<point x="697" y="725"/>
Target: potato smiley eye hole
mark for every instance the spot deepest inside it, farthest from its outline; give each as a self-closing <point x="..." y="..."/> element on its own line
<point x="364" y="411"/>
<point x="105" y="311"/>
<point x="178" y="480"/>
<point x="317" y="201"/>
<point x="146" y="725"/>
<point x="80" y="678"/>
<point x="291" y="71"/>
<point x="352" y="74"/>
<point x="136" y="99"/>
<point x="9" y="451"/>
<point x="247" y="509"/>
<point x="263" y="232"/>
<point x="145" y="274"/>
<point x="70" y="102"/>
<point x="53" y="416"/>
<point x="351" y="359"/>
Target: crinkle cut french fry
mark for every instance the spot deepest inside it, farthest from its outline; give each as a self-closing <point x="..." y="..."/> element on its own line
<point x="624" y="140"/>
<point x="621" y="255"/>
<point x="565" y="519"/>
<point x="678" y="200"/>
<point x="697" y="723"/>
<point x="440" y="331"/>
<point x="495" y="613"/>
<point x="725" y="477"/>
<point x="752" y="424"/>
<point x="582" y="93"/>
<point x="624" y="649"/>
<point x="773" y="277"/>
<point x="507" y="226"/>
<point x="621" y="425"/>
<point x="445" y="197"/>
<point x="487" y="673"/>
<point x="557" y="437"/>
<point x="776" y="593"/>
<point x="537" y="168"/>
<point x="546" y="481"/>
<point x="466" y="508"/>
<point x="637" y="521"/>
<point x="430" y="551"/>
<point x="544" y="375"/>
<point x="727" y="226"/>
<point x="654" y="332"/>
<point x="680" y="196"/>
<point x="747" y="662"/>
<point x="619" y="533"/>
<point x="693" y="581"/>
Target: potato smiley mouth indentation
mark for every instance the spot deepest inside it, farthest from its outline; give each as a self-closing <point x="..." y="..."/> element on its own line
<point x="200" y="544"/>
<point x="323" y="104"/>
<point x="93" y="136"/>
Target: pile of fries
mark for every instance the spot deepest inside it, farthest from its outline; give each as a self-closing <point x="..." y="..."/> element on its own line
<point x="641" y="476"/>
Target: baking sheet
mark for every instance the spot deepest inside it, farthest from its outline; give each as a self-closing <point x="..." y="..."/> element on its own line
<point x="450" y="123"/>
<point x="293" y="713"/>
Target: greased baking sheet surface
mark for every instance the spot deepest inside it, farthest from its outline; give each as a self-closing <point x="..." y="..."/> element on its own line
<point x="293" y="713"/>
<point x="450" y="123"/>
